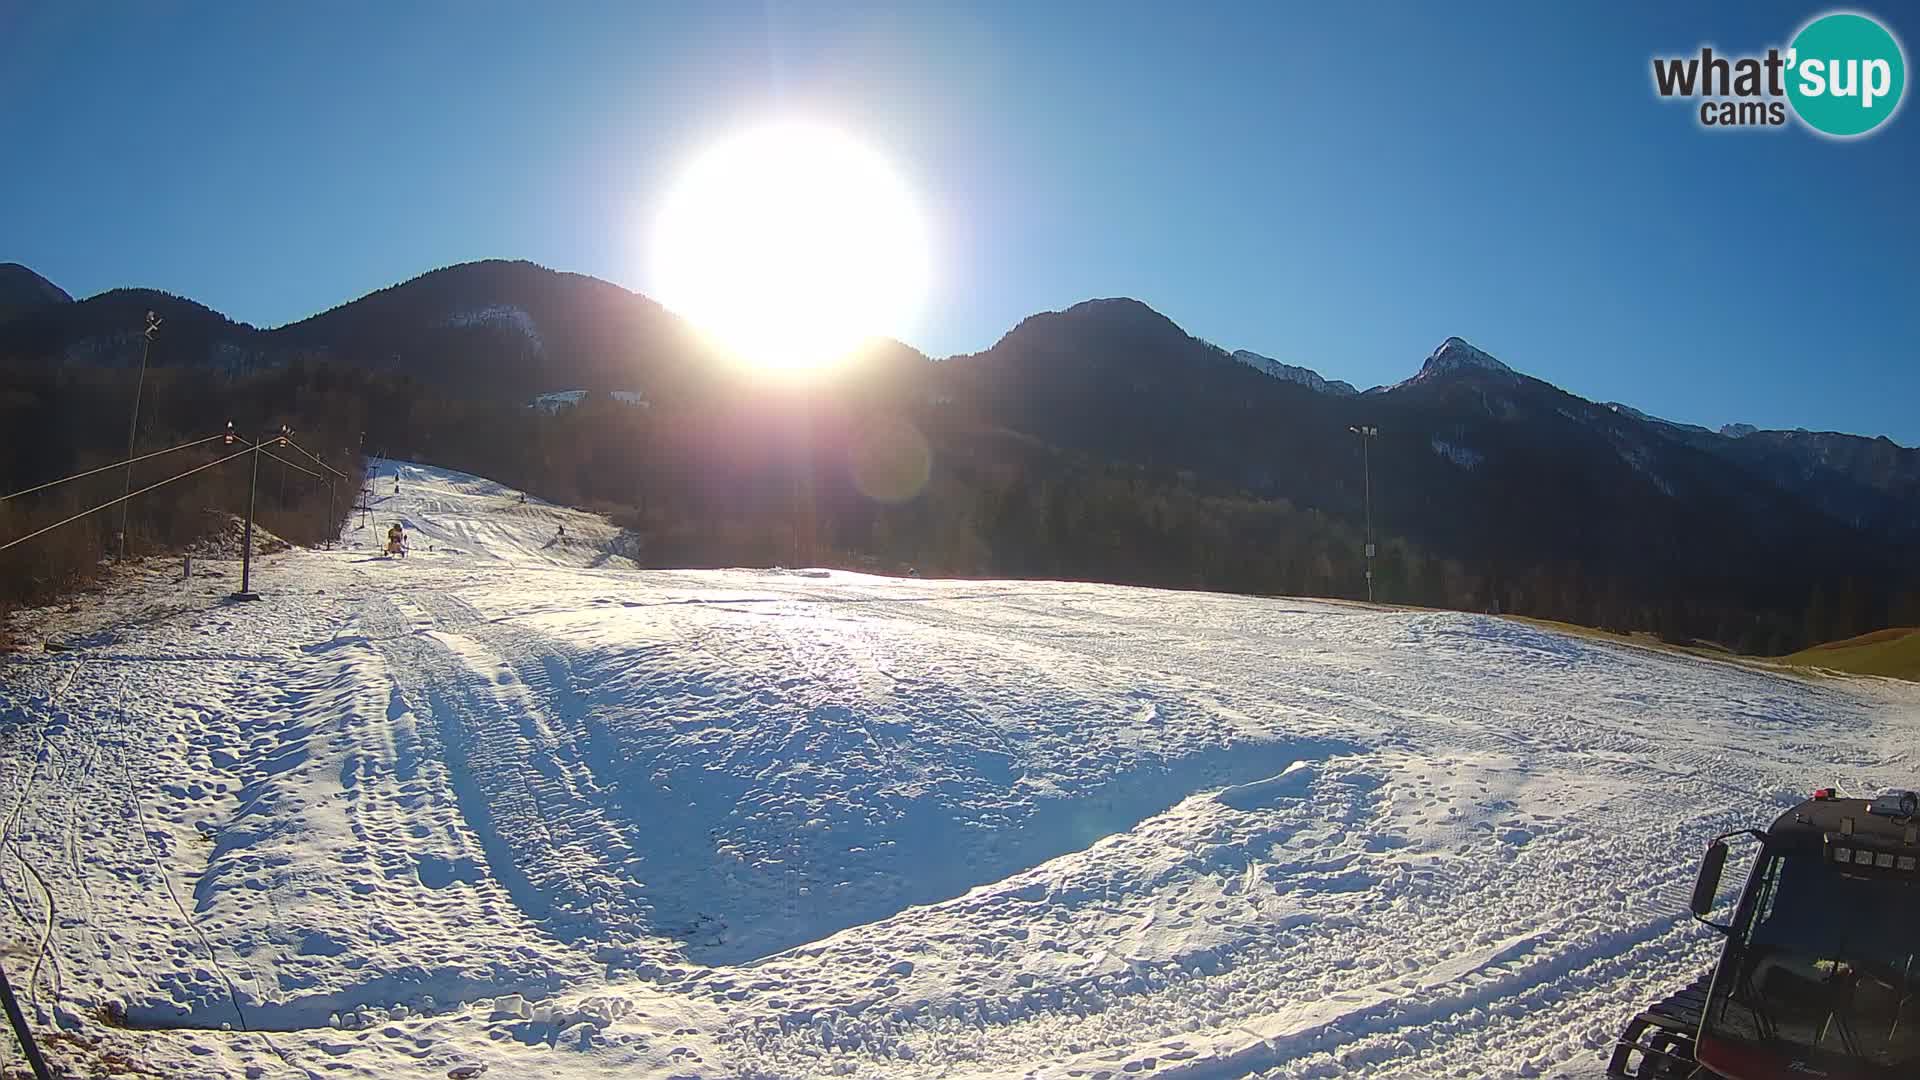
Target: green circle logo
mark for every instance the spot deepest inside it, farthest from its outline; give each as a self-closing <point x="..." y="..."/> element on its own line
<point x="1845" y="74"/>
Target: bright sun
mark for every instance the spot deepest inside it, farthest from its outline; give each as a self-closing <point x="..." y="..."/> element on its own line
<point x="790" y="244"/>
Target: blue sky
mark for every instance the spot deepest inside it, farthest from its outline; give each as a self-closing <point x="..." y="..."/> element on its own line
<point x="1340" y="186"/>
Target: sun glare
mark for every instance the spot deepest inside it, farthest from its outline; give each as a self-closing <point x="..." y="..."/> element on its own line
<point x="789" y="245"/>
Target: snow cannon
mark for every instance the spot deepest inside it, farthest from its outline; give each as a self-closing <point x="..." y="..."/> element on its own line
<point x="1819" y="975"/>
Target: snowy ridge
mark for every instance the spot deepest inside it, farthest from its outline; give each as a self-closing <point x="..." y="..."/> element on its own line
<point x="512" y="802"/>
<point x="1729" y="431"/>
<point x="1304" y="376"/>
<point x="1628" y="410"/>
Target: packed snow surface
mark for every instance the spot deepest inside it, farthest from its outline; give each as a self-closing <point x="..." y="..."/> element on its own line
<point x="511" y="802"/>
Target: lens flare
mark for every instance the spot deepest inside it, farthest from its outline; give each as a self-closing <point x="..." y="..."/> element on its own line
<point x="891" y="461"/>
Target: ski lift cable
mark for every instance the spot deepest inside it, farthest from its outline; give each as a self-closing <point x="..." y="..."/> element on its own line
<point x="262" y="445"/>
<point x="124" y="498"/>
<point x="105" y="468"/>
<point x="289" y="464"/>
<point x="316" y="460"/>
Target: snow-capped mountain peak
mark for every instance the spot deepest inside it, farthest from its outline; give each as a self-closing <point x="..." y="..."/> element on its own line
<point x="1455" y="354"/>
<point x="1306" y="377"/>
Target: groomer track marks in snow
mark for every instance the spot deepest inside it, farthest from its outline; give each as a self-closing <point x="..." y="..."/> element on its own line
<point x="811" y="823"/>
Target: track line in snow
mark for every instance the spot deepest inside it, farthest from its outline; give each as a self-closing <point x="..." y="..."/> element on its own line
<point x="166" y="880"/>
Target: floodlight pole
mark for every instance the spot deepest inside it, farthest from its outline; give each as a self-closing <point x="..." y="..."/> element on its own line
<point x="133" y="423"/>
<point x="802" y="484"/>
<point x="1367" y="435"/>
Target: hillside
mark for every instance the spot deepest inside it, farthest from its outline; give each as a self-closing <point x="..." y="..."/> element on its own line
<point x="22" y="290"/>
<point x="1893" y="652"/>
<point x="1566" y="508"/>
<point x="1496" y="491"/>
<point x="106" y="330"/>
<point x="512" y="802"/>
<point x="511" y="327"/>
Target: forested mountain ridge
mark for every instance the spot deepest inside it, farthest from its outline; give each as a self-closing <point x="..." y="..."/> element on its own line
<point x="22" y="290"/>
<point x="1091" y="430"/>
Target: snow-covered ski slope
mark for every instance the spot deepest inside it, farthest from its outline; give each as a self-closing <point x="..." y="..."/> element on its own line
<point x="785" y="824"/>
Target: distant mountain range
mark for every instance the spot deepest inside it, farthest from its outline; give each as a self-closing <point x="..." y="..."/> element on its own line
<point x="507" y="327"/>
<point x="1473" y="458"/>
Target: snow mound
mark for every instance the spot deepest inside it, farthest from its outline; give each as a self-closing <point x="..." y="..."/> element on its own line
<point x="225" y="538"/>
<point x="1290" y="783"/>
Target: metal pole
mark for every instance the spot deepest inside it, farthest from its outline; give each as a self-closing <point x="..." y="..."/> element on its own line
<point x="21" y="1031"/>
<point x="246" y="551"/>
<point x="133" y="423"/>
<point x="1366" y="433"/>
<point x="1366" y="481"/>
<point x="799" y="465"/>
